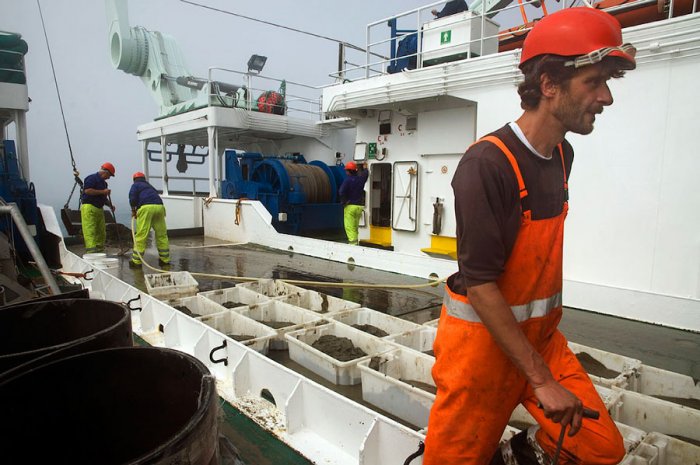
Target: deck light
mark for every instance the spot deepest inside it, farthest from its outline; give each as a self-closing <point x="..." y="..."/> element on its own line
<point x="256" y="63"/>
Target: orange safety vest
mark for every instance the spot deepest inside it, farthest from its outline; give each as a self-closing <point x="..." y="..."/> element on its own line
<point x="478" y="386"/>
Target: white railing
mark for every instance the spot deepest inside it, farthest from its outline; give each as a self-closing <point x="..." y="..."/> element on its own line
<point x="376" y="58"/>
<point x="300" y="100"/>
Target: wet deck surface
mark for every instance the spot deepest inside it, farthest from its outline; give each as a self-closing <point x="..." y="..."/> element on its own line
<point x="665" y="348"/>
<point x="654" y="345"/>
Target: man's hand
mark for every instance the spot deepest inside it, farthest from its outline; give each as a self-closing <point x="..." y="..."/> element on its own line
<point x="434" y="12"/>
<point x="560" y="405"/>
<point x="106" y="191"/>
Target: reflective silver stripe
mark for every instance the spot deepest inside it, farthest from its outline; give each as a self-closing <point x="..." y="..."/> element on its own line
<point x="534" y="309"/>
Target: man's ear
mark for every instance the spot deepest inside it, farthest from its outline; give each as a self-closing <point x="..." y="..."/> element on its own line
<point x="548" y="88"/>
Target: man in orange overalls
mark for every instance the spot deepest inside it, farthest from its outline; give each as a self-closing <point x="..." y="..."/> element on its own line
<point x="497" y="343"/>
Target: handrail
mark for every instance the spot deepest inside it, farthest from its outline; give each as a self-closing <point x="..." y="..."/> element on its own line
<point x="23" y="229"/>
<point x="310" y="104"/>
<point x="372" y="67"/>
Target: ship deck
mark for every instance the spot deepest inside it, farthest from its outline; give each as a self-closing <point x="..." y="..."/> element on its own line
<point x="654" y="345"/>
<point x="666" y="348"/>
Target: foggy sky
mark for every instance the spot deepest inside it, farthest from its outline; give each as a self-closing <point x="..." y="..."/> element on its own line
<point x="103" y="106"/>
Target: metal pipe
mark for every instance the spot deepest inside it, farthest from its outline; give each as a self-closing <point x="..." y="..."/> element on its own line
<point x="13" y="210"/>
<point x="213" y="149"/>
<point x="164" y="162"/>
<point x="144" y="158"/>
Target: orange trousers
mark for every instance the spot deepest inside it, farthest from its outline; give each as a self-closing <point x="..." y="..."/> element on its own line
<point x="475" y="399"/>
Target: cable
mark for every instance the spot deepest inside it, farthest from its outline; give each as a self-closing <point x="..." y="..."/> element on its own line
<point x="76" y="173"/>
<point x="318" y="36"/>
<point x="431" y="283"/>
<point x="55" y="81"/>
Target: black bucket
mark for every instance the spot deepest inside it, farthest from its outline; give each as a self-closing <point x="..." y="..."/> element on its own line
<point x="132" y="405"/>
<point x="74" y="294"/>
<point x="36" y="332"/>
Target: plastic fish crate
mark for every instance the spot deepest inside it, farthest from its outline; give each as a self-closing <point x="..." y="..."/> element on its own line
<point x="656" y="382"/>
<point x="198" y="305"/>
<point x="656" y="415"/>
<point x="432" y="323"/>
<point x="335" y="371"/>
<point x="231" y="322"/>
<point x="318" y="302"/>
<point x="631" y="436"/>
<point x="235" y="295"/>
<point x="276" y="311"/>
<point x="626" y="367"/>
<point x="171" y="286"/>
<point x="270" y="287"/>
<point x="366" y="316"/>
<point x="659" y="449"/>
<point x="420" y="340"/>
<point x="388" y="385"/>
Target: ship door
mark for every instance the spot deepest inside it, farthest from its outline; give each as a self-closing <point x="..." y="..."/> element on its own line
<point x="380" y="205"/>
<point x="405" y="198"/>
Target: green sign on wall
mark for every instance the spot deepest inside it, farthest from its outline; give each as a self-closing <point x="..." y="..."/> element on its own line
<point x="372" y="150"/>
<point x="445" y="37"/>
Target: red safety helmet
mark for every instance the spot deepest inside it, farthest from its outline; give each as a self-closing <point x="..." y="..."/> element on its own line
<point x="351" y="166"/>
<point x="585" y="33"/>
<point x="107" y="166"/>
<point x="138" y="174"/>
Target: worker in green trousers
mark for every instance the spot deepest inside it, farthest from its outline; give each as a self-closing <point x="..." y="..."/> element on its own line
<point x="95" y="196"/>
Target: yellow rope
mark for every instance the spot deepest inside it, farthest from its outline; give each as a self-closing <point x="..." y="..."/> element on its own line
<point x="432" y="283"/>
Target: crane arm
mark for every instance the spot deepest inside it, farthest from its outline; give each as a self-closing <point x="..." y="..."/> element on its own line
<point x="151" y="55"/>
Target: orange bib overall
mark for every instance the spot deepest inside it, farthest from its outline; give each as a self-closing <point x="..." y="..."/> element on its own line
<point x="478" y="385"/>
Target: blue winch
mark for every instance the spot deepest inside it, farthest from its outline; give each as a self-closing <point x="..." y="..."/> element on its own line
<point x="301" y="197"/>
<point x="15" y="189"/>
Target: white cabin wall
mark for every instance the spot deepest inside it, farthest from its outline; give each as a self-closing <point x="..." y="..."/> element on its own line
<point x="634" y="219"/>
<point x="498" y="105"/>
<point x="456" y="128"/>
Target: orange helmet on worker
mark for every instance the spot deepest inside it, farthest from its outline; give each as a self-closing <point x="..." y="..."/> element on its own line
<point x="560" y="34"/>
<point x="108" y="167"/>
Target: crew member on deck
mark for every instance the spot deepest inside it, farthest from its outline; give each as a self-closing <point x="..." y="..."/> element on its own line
<point x="352" y="196"/>
<point x="497" y="342"/>
<point x="96" y="194"/>
<point x="147" y="207"/>
<point x="450" y="8"/>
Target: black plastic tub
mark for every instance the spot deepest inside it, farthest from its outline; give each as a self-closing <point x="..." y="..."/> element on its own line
<point x="132" y="405"/>
<point x="36" y="332"/>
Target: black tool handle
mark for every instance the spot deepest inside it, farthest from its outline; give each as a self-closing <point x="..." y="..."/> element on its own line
<point x="587" y="412"/>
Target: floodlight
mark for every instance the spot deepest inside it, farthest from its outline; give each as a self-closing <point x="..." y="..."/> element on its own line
<point x="256" y="63"/>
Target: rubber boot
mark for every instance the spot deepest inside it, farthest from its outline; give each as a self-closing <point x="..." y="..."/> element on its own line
<point x="497" y="458"/>
<point x="518" y="451"/>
